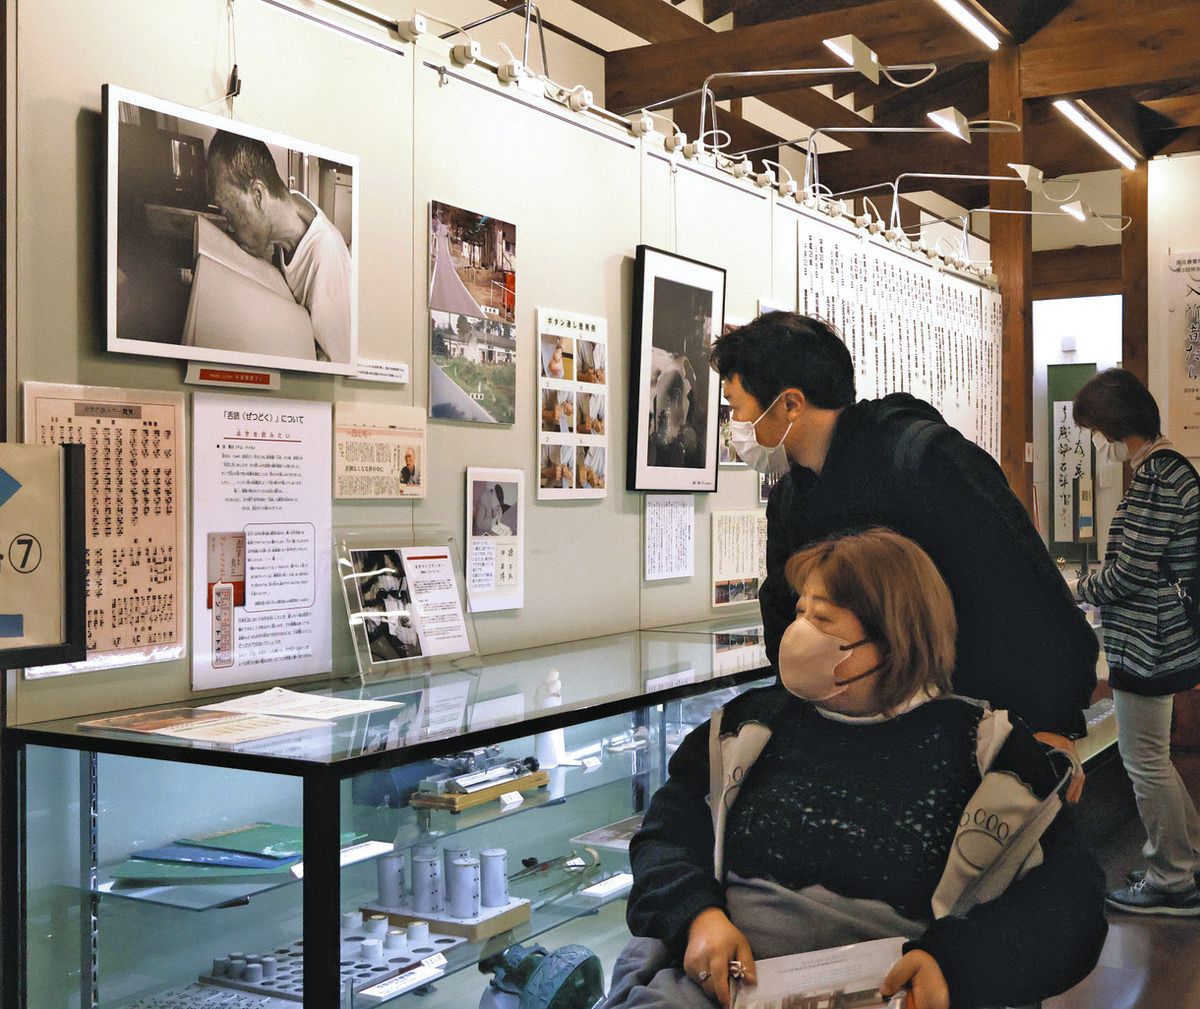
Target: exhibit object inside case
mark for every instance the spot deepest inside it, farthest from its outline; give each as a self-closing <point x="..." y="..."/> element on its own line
<point x="165" y="870"/>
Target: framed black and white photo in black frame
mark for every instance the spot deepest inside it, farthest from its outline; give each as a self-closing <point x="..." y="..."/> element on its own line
<point x="678" y="310"/>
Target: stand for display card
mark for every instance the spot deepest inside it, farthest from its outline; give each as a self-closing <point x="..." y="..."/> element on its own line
<point x="489" y="922"/>
<point x="383" y="609"/>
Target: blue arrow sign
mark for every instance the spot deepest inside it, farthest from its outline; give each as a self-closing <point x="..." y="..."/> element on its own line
<point x="8" y="486"/>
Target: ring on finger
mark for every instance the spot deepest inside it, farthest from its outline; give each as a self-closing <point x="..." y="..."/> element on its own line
<point x="703" y="976"/>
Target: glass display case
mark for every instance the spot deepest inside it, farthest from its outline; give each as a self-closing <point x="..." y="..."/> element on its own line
<point x="473" y="826"/>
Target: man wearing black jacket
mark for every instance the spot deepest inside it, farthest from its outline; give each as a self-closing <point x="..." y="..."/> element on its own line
<point x="1023" y="645"/>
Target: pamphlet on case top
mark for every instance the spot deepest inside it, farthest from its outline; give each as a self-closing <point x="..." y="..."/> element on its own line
<point x="847" y="977"/>
<point x="293" y="704"/>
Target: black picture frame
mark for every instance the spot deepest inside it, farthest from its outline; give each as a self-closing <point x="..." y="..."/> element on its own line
<point x="673" y="394"/>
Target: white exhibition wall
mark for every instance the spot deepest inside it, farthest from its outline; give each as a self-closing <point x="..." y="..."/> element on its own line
<point x="581" y="193"/>
<point x="1174" y="228"/>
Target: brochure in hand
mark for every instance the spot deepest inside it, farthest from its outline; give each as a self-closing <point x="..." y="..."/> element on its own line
<point x="847" y="977"/>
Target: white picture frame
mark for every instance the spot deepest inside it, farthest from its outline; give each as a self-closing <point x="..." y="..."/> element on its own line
<point x="158" y="306"/>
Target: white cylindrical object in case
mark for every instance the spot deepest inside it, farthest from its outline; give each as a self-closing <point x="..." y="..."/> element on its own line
<point x="450" y="854"/>
<point x="389" y="870"/>
<point x="417" y="933"/>
<point x="395" y="941"/>
<point x="463" y="888"/>
<point x="427" y="884"/>
<point x="372" y="951"/>
<point x="494" y="877"/>
<point x="352" y="919"/>
<point x="253" y="973"/>
<point x="424" y="849"/>
<point x="377" y="926"/>
<point x="220" y="966"/>
<point x="270" y="966"/>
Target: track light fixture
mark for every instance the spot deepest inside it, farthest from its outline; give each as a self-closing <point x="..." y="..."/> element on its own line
<point x="1103" y="135"/>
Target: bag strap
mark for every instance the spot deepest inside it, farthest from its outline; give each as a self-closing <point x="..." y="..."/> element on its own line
<point x="1164" y="570"/>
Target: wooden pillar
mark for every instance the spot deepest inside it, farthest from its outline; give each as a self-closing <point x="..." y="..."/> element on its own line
<point x="1012" y="259"/>
<point x="1135" y="307"/>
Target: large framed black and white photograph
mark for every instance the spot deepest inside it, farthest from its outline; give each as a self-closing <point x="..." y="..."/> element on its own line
<point x="226" y="242"/>
<point x="678" y="310"/>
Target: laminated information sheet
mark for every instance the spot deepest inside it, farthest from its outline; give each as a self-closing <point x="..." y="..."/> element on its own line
<point x="572" y="405"/>
<point x="670" y="536"/>
<point x="379" y="451"/>
<point x="495" y="539"/>
<point x="739" y="556"/>
<point x="135" y="518"/>
<point x="263" y="527"/>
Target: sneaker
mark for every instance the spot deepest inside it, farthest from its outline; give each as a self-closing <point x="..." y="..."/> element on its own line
<point x="1137" y="875"/>
<point x="1143" y="897"/>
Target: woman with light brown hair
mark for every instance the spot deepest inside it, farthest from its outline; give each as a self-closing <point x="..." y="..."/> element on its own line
<point x="859" y="799"/>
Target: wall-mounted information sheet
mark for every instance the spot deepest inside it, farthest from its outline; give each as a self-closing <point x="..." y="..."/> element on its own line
<point x="263" y="518"/>
<point x="135" y="520"/>
<point x="739" y="556"/>
<point x="670" y="536"/>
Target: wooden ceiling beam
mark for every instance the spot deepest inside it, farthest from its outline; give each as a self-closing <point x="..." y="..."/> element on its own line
<point x="907" y="32"/>
<point x="884" y="158"/>
<point x="652" y="20"/>
<point x="1095" y="44"/>
<point x="1182" y="111"/>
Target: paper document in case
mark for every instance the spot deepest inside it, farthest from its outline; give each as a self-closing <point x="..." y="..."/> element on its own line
<point x="847" y="977"/>
<point x="242" y="303"/>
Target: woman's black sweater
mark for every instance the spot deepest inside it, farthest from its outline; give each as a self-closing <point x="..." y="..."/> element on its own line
<point x="870" y="811"/>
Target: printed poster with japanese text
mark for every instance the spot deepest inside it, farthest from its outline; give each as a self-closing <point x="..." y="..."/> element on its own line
<point x="1182" y="325"/>
<point x="135" y="520"/>
<point x="261" y="539"/>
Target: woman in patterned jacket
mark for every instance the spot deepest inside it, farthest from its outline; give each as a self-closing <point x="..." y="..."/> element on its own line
<point x="1152" y="647"/>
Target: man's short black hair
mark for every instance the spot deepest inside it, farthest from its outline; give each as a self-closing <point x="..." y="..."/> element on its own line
<point x="783" y="350"/>
<point x="1118" y="405"/>
<point x="245" y="159"/>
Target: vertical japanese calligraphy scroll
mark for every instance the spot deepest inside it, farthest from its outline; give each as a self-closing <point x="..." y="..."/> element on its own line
<point x="135" y="517"/>
<point x="1072" y="465"/>
<point x="1182" y="324"/>
<point x="909" y="328"/>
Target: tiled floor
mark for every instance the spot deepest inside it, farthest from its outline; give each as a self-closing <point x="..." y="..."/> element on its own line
<point x="1147" y="963"/>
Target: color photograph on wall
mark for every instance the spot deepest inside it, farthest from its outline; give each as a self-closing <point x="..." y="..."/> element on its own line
<point x="573" y="406"/>
<point x="678" y="309"/>
<point x="472" y="316"/>
<point x="227" y="242"/>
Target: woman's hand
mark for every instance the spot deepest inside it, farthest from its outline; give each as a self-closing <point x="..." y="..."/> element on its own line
<point x="713" y="941"/>
<point x="921" y="971"/>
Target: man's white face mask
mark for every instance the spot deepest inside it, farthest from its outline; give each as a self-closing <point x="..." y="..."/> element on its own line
<point x="1109" y="451"/>
<point x="771" y="459"/>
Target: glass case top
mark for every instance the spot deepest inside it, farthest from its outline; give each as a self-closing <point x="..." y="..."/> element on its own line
<point x="501" y="697"/>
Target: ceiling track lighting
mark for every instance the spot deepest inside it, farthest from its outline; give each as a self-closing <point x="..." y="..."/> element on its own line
<point x="1035" y="182"/>
<point x="1103" y="135"/>
<point x="859" y="58"/>
<point x="969" y="20"/>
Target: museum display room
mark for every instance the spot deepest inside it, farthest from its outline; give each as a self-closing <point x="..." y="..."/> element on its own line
<point x="376" y="528"/>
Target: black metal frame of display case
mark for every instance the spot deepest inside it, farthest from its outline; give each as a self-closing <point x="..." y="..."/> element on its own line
<point x="321" y="784"/>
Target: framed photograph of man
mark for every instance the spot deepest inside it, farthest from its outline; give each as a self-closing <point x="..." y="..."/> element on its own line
<point x="227" y="242"/>
<point x="678" y="308"/>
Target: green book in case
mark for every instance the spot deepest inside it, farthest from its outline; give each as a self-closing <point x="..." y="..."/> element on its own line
<point x="146" y="872"/>
<point x="270" y="839"/>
